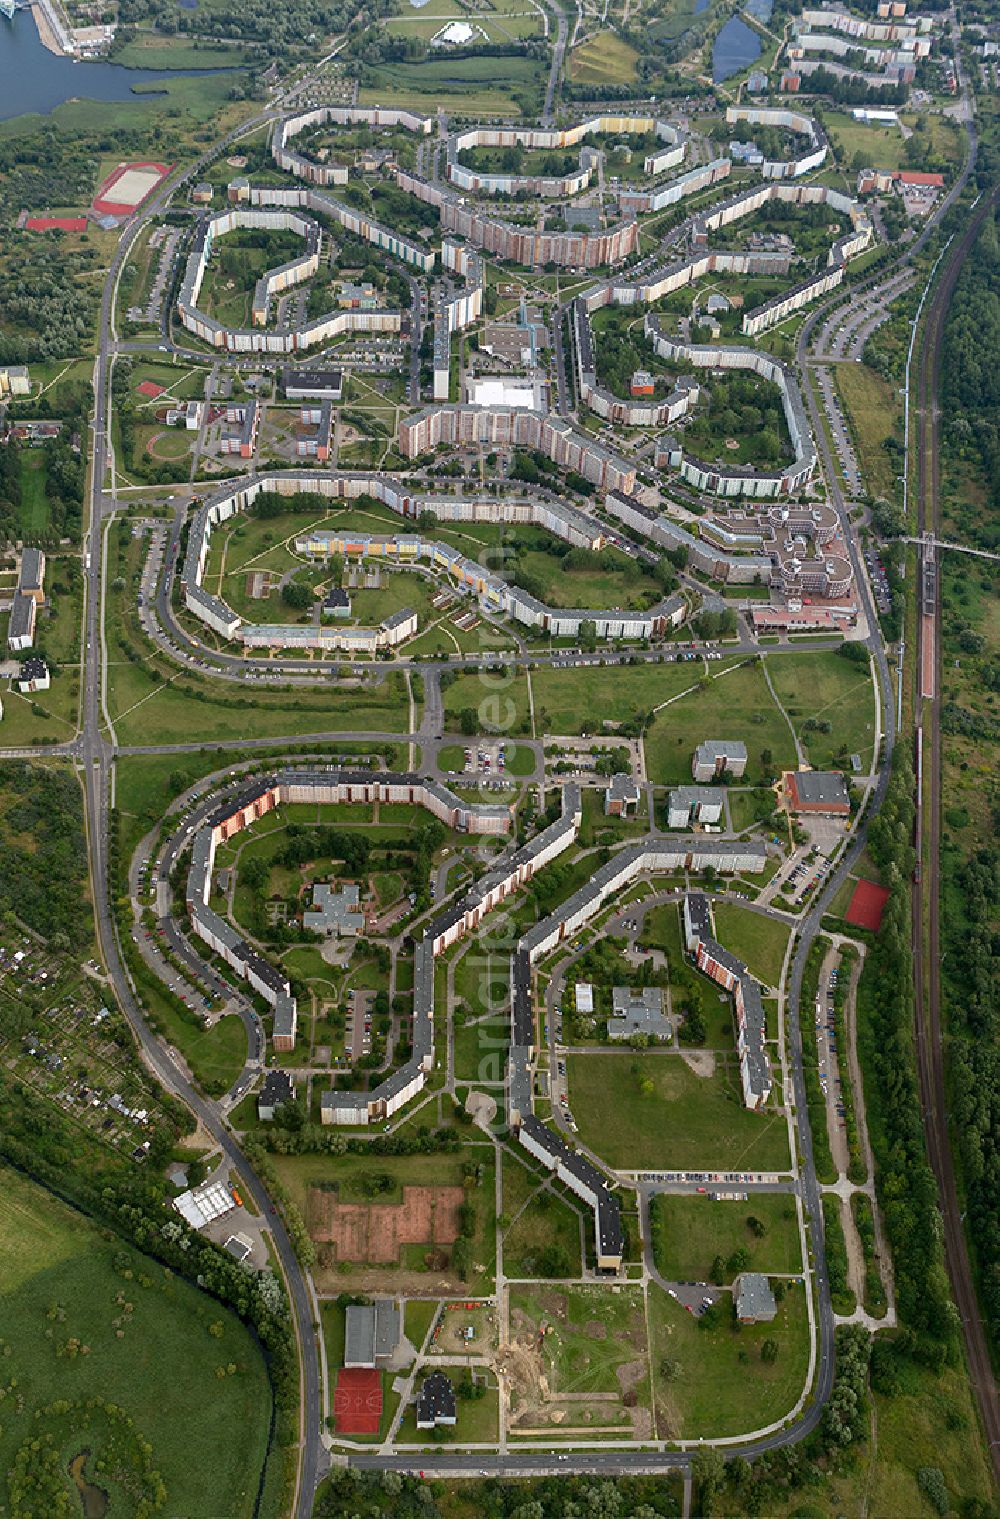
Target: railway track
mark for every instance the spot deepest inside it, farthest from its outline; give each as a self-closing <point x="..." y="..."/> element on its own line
<point x="927" y="722"/>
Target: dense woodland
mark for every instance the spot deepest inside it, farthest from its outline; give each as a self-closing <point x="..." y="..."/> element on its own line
<point x="43" y="855"/>
<point x="970" y="381"/>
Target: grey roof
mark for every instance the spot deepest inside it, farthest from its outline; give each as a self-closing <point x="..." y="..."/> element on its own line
<point x="32" y="574"/>
<point x="821" y="787"/>
<point x="359" y="1336"/>
<point x="322" y="381"/>
<point x="21" y="616"/>
<point x="372" y="1332"/>
<point x="695" y="796"/>
<point x="727" y="748"/>
<point x="754" y="1298"/>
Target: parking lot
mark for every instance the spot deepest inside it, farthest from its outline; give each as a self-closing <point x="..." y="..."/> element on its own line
<point x="879" y="580"/>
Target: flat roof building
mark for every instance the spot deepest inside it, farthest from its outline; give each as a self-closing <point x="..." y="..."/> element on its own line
<point x="278" y="1088"/>
<point x="694" y="804"/>
<point x="716" y="756"/>
<point x="638" y="1010"/>
<point x="313" y="384"/>
<point x="436" y="1402"/>
<point x="755" y="1303"/>
<point x="335" y="912"/>
<point x="584" y="997"/>
<point x="621" y="799"/>
<point x="823" y="793"/>
<point x="371" y="1333"/>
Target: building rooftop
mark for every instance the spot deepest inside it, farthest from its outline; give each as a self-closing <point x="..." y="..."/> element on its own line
<point x="819" y="788"/>
<point x="754" y="1298"/>
<point x="436" y="1400"/>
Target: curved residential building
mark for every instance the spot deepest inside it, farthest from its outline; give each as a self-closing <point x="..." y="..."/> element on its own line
<point x="303" y="167"/>
<point x="791" y="121"/>
<point x="496" y="594"/>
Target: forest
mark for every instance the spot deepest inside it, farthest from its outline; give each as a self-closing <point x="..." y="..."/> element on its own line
<point x="975" y="1064"/>
<point x="43" y="855"/>
<point x="907" y="1188"/>
<point x="970" y="382"/>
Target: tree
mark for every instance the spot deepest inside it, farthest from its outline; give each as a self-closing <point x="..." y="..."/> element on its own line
<point x="297" y="596"/>
<point x="468" y="721"/>
<point x="769" y="1352"/>
<point x="708" y="1470"/>
<point x="670" y="1369"/>
<point x="588" y="634"/>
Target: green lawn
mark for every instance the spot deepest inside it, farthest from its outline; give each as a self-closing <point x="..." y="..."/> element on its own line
<point x="692" y="1231"/>
<point x="821" y="687"/>
<point x="875" y="410"/>
<point x="735" y="705"/>
<point x="590" y="1333"/>
<point x="149" y="1351"/>
<point x="760" y="942"/>
<point x="540" y="1222"/>
<point x="498" y="698"/>
<point x="719" y="1385"/>
<point x="589" y="698"/>
<point x="684" y="1121"/>
<point x="603" y="59"/>
<point x="33" y="512"/>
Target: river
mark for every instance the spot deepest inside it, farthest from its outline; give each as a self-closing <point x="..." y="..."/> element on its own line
<point x="33" y="79"/>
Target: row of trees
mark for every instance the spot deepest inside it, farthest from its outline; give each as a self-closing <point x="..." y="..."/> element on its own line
<point x="908" y="1188"/>
<point x="971" y="985"/>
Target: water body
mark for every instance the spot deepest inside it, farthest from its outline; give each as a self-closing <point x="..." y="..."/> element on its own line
<point x="33" y="79"/>
<point x="700" y="6"/>
<point x="761" y="9"/>
<point x="736" y="47"/>
<point x="94" y="1499"/>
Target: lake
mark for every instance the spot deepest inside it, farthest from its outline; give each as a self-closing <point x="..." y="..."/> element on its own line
<point x="736" y="47"/>
<point x="33" y="79"/>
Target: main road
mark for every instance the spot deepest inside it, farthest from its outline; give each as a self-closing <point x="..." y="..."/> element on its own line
<point x="96" y="757"/>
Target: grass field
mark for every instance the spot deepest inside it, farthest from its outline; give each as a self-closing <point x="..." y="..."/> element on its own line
<point x="824" y="688"/>
<point x="694" y="1230"/>
<point x="721" y="1386"/>
<point x="540" y="1221"/>
<point x="760" y="942"/>
<point x="876" y="414"/>
<point x="735" y="705"/>
<point x="492" y="86"/>
<point x="149" y="1352"/>
<point x="499" y="700"/>
<point x="685" y="1120"/>
<point x="603" y="59"/>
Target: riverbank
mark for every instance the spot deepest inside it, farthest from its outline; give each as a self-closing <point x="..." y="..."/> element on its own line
<point x="51" y="32"/>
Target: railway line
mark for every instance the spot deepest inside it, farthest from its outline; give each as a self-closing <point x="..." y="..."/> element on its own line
<point x="927" y="946"/>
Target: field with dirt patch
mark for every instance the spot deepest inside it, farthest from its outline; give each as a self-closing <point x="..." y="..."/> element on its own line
<point x="577" y="1363"/>
<point x="376" y="1232"/>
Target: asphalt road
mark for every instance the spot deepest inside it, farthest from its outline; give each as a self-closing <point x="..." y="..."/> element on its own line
<point x="96" y="757"/>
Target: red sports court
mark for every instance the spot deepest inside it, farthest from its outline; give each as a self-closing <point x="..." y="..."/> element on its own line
<point x="867" y="905"/>
<point x="56" y="224"/>
<point x="357" y="1401"/>
<point x="127" y="186"/>
<point x="151" y="389"/>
